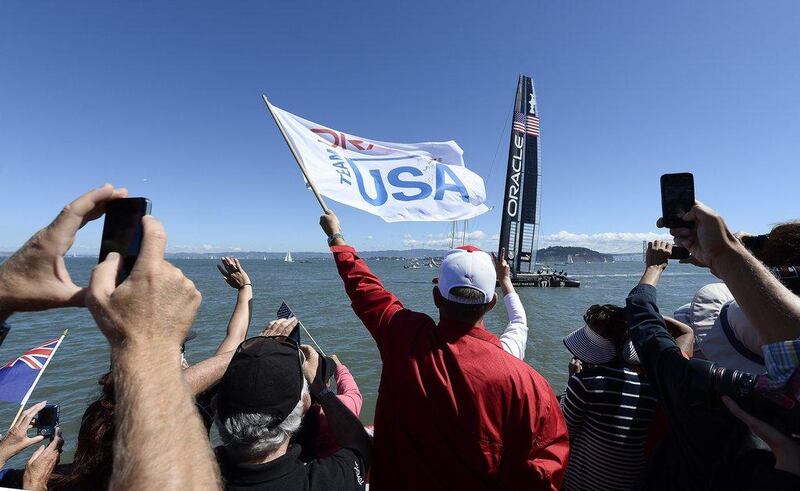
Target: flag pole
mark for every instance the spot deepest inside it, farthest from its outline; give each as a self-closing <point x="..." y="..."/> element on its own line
<point x="36" y="380"/>
<point x="296" y="155"/>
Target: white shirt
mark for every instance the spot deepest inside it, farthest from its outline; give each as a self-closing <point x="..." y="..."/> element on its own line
<point x="515" y="337"/>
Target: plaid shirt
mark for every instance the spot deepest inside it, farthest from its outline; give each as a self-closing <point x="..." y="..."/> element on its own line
<point x="782" y="381"/>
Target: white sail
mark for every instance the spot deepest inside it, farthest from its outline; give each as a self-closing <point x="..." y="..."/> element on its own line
<point x="288" y="258"/>
<point x="569" y="259"/>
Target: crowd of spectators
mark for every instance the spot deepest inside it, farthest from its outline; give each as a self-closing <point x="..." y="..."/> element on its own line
<point x="708" y="398"/>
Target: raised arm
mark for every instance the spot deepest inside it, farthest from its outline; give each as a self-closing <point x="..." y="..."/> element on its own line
<point x="659" y="354"/>
<point x="145" y="319"/>
<point x="234" y="275"/>
<point x="346" y="387"/>
<point x="200" y="376"/>
<point x="373" y="304"/>
<point x="771" y="307"/>
<point x="515" y="336"/>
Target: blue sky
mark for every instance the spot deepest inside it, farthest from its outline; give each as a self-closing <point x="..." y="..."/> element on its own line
<point x="164" y="97"/>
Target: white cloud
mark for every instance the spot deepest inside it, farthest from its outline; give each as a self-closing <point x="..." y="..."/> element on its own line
<point x="369" y="237"/>
<point x="442" y="241"/>
<point x="609" y="242"/>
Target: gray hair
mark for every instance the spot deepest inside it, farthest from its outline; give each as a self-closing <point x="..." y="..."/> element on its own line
<point x="247" y="435"/>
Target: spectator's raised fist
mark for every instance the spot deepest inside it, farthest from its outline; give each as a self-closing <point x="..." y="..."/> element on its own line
<point x="154" y="306"/>
<point x="330" y="223"/>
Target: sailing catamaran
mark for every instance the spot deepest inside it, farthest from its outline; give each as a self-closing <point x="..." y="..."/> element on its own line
<point x="523" y="194"/>
<point x="288" y="257"/>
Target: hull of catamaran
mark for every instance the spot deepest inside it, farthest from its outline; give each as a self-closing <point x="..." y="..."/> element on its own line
<point x="520" y="213"/>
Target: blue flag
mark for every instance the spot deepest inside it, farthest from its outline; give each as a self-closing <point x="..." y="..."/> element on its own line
<point x="17" y="376"/>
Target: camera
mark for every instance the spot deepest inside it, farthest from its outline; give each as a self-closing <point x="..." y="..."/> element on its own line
<point x="47" y="420"/>
<point x="709" y="381"/>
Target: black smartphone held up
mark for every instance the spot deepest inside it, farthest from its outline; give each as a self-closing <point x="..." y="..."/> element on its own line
<point x="47" y="420"/>
<point x="122" y="231"/>
<point x="679" y="252"/>
<point x="677" y="198"/>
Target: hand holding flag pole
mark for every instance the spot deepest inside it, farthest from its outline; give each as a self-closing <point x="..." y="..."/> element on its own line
<point x="296" y="155"/>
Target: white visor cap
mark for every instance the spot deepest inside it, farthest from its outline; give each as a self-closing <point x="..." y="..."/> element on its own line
<point x="470" y="267"/>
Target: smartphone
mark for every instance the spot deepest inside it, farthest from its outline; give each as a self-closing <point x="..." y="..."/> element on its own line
<point x="677" y="198"/>
<point x="679" y="252"/>
<point x="122" y="231"/>
<point x="47" y="420"/>
<point x="284" y="312"/>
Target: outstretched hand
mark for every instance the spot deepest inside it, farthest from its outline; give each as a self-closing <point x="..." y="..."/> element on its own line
<point x="155" y="306"/>
<point x="35" y="277"/>
<point x="17" y="439"/>
<point x="501" y="265"/>
<point x="233" y="273"/>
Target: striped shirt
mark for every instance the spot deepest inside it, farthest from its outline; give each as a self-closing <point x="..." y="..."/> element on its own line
<point x="608" y="413"/>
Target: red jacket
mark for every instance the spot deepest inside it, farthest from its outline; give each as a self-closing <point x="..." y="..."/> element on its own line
<point x="454" y="410"/>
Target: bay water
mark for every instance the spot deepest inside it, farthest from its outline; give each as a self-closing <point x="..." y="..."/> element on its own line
<point x="314" y="291"/>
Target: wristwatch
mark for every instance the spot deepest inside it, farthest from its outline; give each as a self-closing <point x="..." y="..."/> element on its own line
<point x="333" y="237"/>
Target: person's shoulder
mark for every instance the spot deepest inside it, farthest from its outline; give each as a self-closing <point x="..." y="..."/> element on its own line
<point x="412" y="320"/>
<point x="344" y="470"/>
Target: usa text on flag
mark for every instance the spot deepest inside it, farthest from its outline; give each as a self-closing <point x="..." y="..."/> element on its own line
<point x="395" y="181"/>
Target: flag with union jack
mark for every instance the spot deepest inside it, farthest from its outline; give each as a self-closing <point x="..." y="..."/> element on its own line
<point x="17" y="376"/>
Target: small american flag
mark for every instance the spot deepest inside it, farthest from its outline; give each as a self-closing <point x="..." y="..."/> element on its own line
<point x="284" y="312"/>
<point x="526" y="123"/>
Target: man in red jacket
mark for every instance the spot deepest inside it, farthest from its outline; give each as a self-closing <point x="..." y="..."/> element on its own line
<point x="454" y="411"/>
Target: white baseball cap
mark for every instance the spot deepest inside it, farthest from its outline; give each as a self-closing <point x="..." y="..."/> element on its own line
<point x="467" y="266"/>
<point x="733" y="342"/>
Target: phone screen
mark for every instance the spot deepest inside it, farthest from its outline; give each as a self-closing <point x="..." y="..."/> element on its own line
<point x="48" y="416"/>
<point x="677" y="198"/>
<point x="122" y="231"/>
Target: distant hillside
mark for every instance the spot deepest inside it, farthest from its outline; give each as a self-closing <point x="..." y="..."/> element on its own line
<point x="558" y="254"/>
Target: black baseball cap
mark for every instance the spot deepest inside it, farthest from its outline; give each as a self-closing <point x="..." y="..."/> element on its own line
<point x="265" y="376"/>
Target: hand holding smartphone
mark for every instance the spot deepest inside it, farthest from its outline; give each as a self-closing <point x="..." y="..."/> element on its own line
<point x="679" y="252"/>
<point x="122" y="231"/>
<point x="677" y="198"/>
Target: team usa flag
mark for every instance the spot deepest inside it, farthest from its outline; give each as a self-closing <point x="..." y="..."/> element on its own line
<point x="18" y="376"/>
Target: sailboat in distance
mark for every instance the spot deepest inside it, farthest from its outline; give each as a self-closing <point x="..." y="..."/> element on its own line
<point x="522" y="192"/>
<point x="569" y="259"/>
<point x="288" y="257"/>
